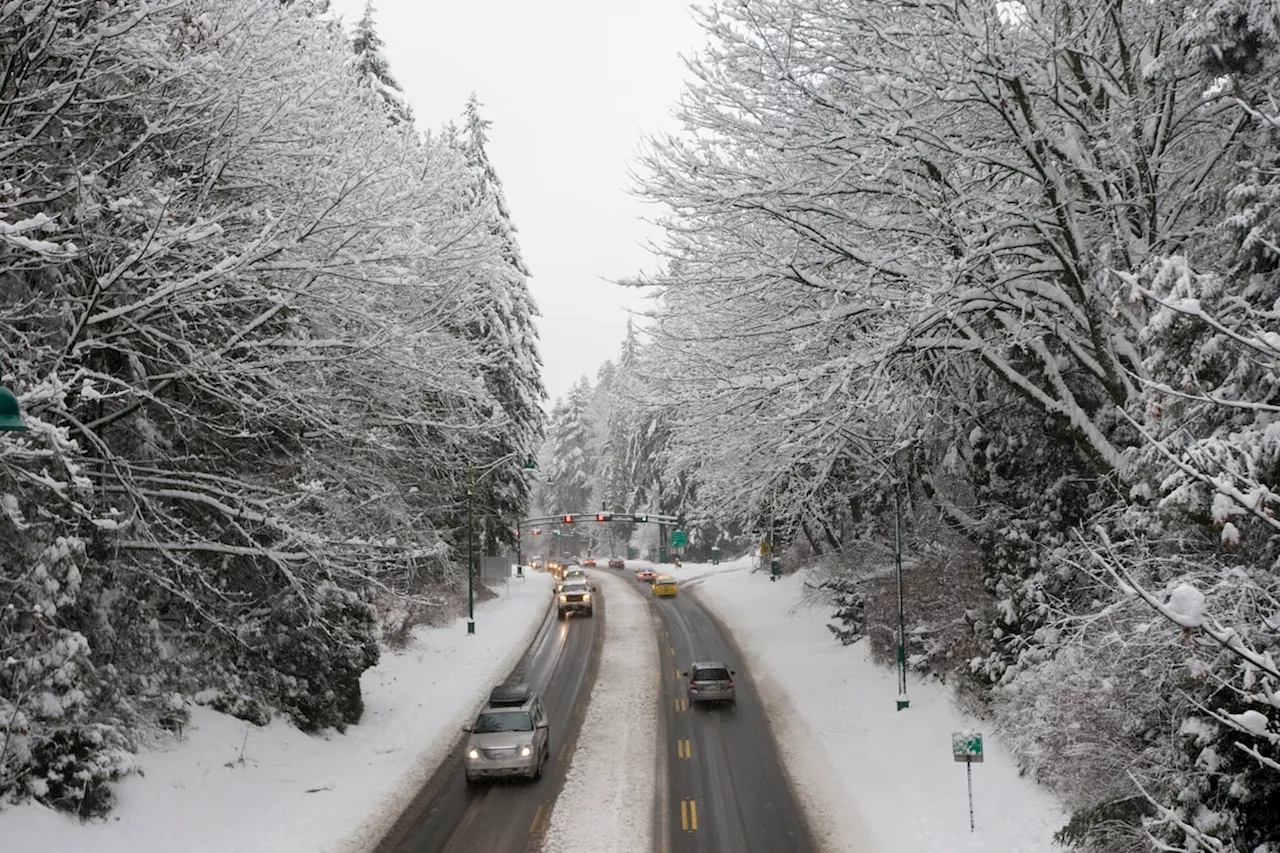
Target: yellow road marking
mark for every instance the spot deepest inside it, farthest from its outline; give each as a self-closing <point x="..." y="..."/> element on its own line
<point x="682" y="704"/>
<point x="673" y="650"/>
<point x="684" y="749"/>
<point x="677" y="672"/>
<point x="564" y="750"/>
<point x="537" y="826"/>
<point x="688" y="815"/>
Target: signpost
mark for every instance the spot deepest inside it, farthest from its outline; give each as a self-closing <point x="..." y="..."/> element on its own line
<point x="967" y="747"/>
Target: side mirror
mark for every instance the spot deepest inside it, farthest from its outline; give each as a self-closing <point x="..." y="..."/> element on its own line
<point x="467" y="727"/>
<point x="595" y="588"/>
<point x="542" y="725"/>
<point x="684" y="675"/>
<point x="733" y="672"/>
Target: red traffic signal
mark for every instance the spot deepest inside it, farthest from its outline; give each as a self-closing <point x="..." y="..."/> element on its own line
<point x="568" y="519"/>
<point x="603" y="516"/>
<point x="536" y="532"/>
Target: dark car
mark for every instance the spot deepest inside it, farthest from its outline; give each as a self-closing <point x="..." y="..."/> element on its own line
<point x="617" y="563"/>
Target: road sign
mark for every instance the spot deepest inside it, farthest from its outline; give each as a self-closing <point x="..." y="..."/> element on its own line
<point x="764" y="547"/>
<point x="679" y="538"/>
<point x="966" y="746"/>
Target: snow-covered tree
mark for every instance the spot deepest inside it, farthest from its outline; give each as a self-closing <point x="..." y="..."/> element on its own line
<point x="230" y="297"/>
<point x="371" y="66"/>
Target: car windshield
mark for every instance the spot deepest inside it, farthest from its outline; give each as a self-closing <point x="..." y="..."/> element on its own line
<point x="715" y="674"/>
<point x="574" y="587"/>
<point x="508" y="721"/>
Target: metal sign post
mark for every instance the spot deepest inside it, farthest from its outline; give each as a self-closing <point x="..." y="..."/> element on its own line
<point x="967" y="747"/>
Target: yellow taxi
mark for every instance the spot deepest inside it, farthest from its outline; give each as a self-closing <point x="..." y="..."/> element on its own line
<point x="664" y="585"/>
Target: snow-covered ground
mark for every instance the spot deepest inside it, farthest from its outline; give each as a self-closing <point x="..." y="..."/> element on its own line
<point x="612" y="775"/>
<point x="874" y="779"/>
<point x="230" y="787"/>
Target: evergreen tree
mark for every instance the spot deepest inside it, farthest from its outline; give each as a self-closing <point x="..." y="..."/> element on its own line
<point x="501" y="326"/>
<point x="372" y="67"/>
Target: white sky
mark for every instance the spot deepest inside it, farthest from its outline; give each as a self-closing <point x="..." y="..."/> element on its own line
<point x="570" y="86"/>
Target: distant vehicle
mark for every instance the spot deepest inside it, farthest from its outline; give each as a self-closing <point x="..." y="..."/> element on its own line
<point x="617" y="563"/>
<point x="589" y="562"/>
<point x="646" y="575"/>
<point x="664" y="586"/>
<point x="574" y="574"/>
<point x="555" y="568"/>
<point x="535" y="563"/>
<point x="509" y="736"/>
<point x="709" y="681"/>
<point x="574" y="597"/>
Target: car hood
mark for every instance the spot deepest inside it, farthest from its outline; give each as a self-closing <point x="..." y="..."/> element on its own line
<point x="501" y="740"/>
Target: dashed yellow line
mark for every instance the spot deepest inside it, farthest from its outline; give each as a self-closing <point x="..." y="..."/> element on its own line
<point x="682" y="704"/>
<point x="689" y="815"/>
<point x="564" y="750"/>
<point x="540" y="818"/>
<point x="673" y="650"/>
<point x="684" y="749"/>
<point x="677" y="672"/>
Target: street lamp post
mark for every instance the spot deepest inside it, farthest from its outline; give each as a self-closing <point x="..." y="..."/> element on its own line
<point x="529" y="464"/>
<point x="903" y="702"/>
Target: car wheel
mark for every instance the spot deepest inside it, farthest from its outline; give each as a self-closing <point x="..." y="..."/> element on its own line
<point x="472" y="782"/>
<point x="537" y="770"/>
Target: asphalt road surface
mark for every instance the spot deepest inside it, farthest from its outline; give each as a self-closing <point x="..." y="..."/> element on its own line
<point x="510" y="817"/>
<point x="726" y="790"/>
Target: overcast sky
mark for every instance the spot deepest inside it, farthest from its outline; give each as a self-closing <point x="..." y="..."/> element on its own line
<point x="570" y="86"/>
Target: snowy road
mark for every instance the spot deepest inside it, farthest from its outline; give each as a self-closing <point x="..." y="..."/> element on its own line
<point x="448" y="817"/>
<point x="725" y="784"/>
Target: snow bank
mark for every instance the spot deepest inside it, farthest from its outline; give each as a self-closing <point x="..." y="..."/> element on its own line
<point x="874" y="779"/>
<point x="606" y="805"/>
<point x="230" y="787"/>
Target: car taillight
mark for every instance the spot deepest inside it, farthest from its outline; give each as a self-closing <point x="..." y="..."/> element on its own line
<point x="693" y="686"/>
<point x="730" y="683"/>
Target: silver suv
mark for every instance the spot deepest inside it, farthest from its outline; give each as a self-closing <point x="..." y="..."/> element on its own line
<point x="509" y="736"/>
<point x="709" y="681"/>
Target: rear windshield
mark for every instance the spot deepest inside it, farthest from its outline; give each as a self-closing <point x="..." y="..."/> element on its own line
<point x="510" y="721"/>
<point x="715" y="674"/>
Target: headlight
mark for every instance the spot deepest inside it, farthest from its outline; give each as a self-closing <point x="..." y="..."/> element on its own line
<point x="586" y="596"/>
<point x="473" y="753"/>
<point x="564" y="598"/>
<point x="526" y="750"/>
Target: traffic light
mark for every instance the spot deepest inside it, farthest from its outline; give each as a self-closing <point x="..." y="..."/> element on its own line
<point x="537" y="532"/>
<point x="603" y="516"/>
<point x="568" y="519"/>
<point x="642" y="518"/>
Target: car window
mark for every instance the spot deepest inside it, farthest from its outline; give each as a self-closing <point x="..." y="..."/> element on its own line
<point x="711" y="674"/>
<point x="574" y="587"/>
<point x="506" y="721"/>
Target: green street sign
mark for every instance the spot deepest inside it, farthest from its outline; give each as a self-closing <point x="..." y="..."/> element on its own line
<point x="679" y="539"/>
<point x="966" y="746"/>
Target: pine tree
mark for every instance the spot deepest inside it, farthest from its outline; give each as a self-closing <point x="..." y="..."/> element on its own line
<point x="502" y="328"/>
<point x="372" y="67"/>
